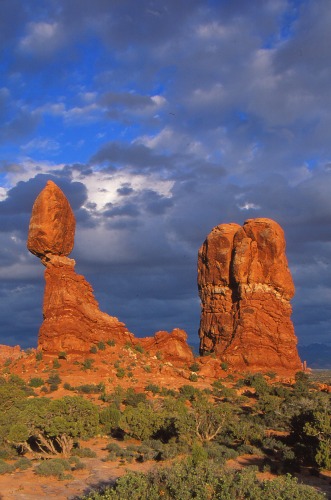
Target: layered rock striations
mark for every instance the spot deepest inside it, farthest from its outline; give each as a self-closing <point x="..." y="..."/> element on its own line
<point x="245" y="288"/>
<point x="73" y="321"/>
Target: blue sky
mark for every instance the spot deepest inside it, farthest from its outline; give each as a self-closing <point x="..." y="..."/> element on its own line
<point x="160" y="120"/>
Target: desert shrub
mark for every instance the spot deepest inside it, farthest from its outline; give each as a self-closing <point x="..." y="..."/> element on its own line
<point x="36" y="382"/>
<point x="140" y="422"/>
<point x="116" y="397"/>
<point x="155" y="389"/>
<point x="16" y="380"/>
<point x="120" y="372"/>
<point x="128" y="454"/>
<point x="224" y="366"/>
<point x="147" y="368"/>
<point x="83" y="452"/>
<point x="87" y="363"/>
<point x="109" y="418"/>
<point x="139" y="348"/>
<point x="168" y="392"/>
<point x="68" y="387"/>
<point x="204" y="480"/>
<point x="54" y="379"/>
<point x="52" y="426"/>
<point x="219" y="453"/>
<point x="5" y="468"/>
<point x="111" y="342"/>
<point x="193" y="377"/>
<point x="94" y="349"/>
<point x="245" y="430"/>
<point x="7" y="453"/>
<point x="23" y="463"/>
<point x="311" y="433"/>
<point x="195" y="367"/>
<point x="62" y="355"/>
<point x="188" y="392"/>
<point x="221" y="391"/>
<point x="210" y="420"/>
<point x="302" y="384"/>
<point x="90" y="388"/>
<point x="39" y="355"/>
<point x="53" y="467"/>
<point x="76" y="463"/>
<point x="56" y="364"/>
<point x="101" y="346"/>
<point x="133" y="398"/>
<point x="258" y="382"/>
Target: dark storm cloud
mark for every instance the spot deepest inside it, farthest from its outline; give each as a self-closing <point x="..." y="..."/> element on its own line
<point x="136" y="154"/>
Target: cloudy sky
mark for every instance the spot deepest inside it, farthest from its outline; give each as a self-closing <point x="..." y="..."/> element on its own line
<point x="160" y="119"/>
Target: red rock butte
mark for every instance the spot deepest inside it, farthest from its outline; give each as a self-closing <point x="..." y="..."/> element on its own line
<point x="73" y="321"/>
<point x="245" y="288"/>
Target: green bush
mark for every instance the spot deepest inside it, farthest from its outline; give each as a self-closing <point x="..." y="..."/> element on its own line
<point x="54" y="379"/>
<point x="56" y="364"/>
<point x="78" y="464"/>
<point x="39" y="355"/>
<point x="140" y="422"/>
<point x="87" y="364"/>
<point x="120" y="373"/>
<point x="195" y="367"/>
<point x="111" y="342"/>
<point x="193" y="377"/>
<point x="23" y="463"/>
<point x="138" y="348"/>
<point x="53" y="467"/>
<point x="36" y="382"/>
<point x="204" y="480"/>
<point x="133" y="398"/>
<point x="110" y="417"/>
<point x="6" y="468"/>
<point x="94" y="349"/>
<point x="83" y="453"/>
<point x="155" y="389"/>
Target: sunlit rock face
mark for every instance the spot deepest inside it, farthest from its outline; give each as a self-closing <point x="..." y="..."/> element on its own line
<point x="245" y="288"/>
<point x="73" y="321"/>
<point x="52" y="224"/>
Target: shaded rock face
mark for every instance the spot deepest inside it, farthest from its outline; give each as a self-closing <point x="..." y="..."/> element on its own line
<point x="73" y="321"/>
<point x="245" y="288"/>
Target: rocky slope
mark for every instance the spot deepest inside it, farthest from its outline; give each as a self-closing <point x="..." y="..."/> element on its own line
<point x="245" y="288"/>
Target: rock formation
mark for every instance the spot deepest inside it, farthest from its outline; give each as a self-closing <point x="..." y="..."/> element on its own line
<point x="73" y="321"/>
<point x="173" y="345"/>
<point x="245" y="288"/>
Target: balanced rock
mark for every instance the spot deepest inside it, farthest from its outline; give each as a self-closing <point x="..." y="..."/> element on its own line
<point x="52" y="224"/>
<point x="245" y="288"/>
<point x="73" y="321"/>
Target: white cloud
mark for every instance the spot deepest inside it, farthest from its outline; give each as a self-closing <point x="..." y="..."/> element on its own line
<point x="42" y="38"/>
